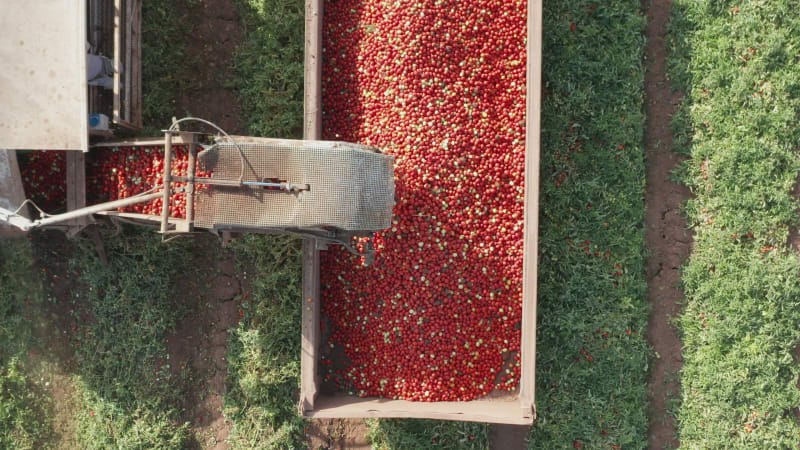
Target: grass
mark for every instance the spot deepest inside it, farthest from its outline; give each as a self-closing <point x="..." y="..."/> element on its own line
<point x="116" y="361"/>
<point x="592" y="357"/>
<point x="264" y="350"/>
<point x="736" y="63"/>
<point x="413" y="433"/>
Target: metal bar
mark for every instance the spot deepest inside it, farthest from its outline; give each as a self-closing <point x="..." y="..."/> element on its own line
<point x="264" y="184"/>
<point x="135" y="72"/>
<point x="204" y="180"/>
<point x="148" y="142"/>
<point x="76" y="188"/>
<point x="8" y="217"/>
<point x="127" y="65"/>
<point x="284" y="186"/>
<point x="89" y="210"/>
<point x="96" y="25"/>
<point x="190" y="185"/>
<point x="167" y="180"/>
<point x="309" y="351"/>
<point x="117" y="47"/>
<point x="12" y="192"/>
<point x="179" y="224"/>
<point x="312" y="104"/>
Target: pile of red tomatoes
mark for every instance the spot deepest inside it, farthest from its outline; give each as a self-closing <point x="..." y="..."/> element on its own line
<point x="110" y="175"/>
<point x="440" y="84"/>
<point x="114" y="174"/>
<point x="44" y="176"/>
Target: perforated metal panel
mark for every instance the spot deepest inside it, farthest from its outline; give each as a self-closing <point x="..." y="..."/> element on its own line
<point x="351" y="186"/>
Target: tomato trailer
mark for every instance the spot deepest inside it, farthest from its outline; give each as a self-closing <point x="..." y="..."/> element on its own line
<point x="498" y="407"/>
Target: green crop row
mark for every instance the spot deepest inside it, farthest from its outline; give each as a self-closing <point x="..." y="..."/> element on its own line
<point x="264" y="349"/>
<point x="127" y="395"/>
<point x="111" y="358"/>
<point x="268" y="67"/>
<point x="24" y="423"/>
<point x="592" y="357"/>
<point x="737" y="64"/>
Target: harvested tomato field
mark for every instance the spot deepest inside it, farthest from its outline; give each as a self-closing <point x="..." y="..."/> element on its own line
<point x="115" y="339"/>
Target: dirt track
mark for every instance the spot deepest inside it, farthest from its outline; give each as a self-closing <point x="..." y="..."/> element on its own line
<point x="668" y="240"/>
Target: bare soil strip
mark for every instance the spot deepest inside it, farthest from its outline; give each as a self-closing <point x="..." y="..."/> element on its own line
<point x="508" y="437"/>
<point x="337" y="434"/>
<point x="668" y="240"/>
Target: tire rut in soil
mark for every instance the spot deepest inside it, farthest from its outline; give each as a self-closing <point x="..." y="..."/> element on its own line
<point x="668" y="240"/>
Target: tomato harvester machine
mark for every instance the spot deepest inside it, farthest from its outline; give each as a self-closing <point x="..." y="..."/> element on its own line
<point x="333" y="192"/>
<point x="77" y="78"/>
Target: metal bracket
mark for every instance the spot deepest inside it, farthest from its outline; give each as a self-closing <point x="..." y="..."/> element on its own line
<point x="321" y="244"/>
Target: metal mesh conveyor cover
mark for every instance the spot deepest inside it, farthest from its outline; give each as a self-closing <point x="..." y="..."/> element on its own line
<point x="351" y="186"/>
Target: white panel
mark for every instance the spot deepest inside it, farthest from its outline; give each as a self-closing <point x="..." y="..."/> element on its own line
<point x="43" y="94"/>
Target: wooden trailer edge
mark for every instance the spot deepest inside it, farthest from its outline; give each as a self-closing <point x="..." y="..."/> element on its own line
<point x="531" y="229"/>
<point x="491" y="411"/>
<point x="312" y="129"/>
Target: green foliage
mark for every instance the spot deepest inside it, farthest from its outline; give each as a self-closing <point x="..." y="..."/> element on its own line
<point x="23" y="421"/>
<point x="736" y="62"/>
<point x="16" y="288"/>
<point x="263" y="350"/>
<point x="592" y="358"/>
<point x="421" y="434"/>
<point x="121" y="354"/>
<point x="269" y="67"/>
<point x="21" y="417"/>
<point x="106" y="424"/>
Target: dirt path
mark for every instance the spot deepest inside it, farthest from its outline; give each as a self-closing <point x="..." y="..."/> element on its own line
<point x="53" y="361"/>
<point x="667" y="238"/>
<point x="197" y="349"/>
<point x="201" y="339"/>
<point x="508" y="437"/>
<point x="217" y="33"/>
<point x="337" y="434"/>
